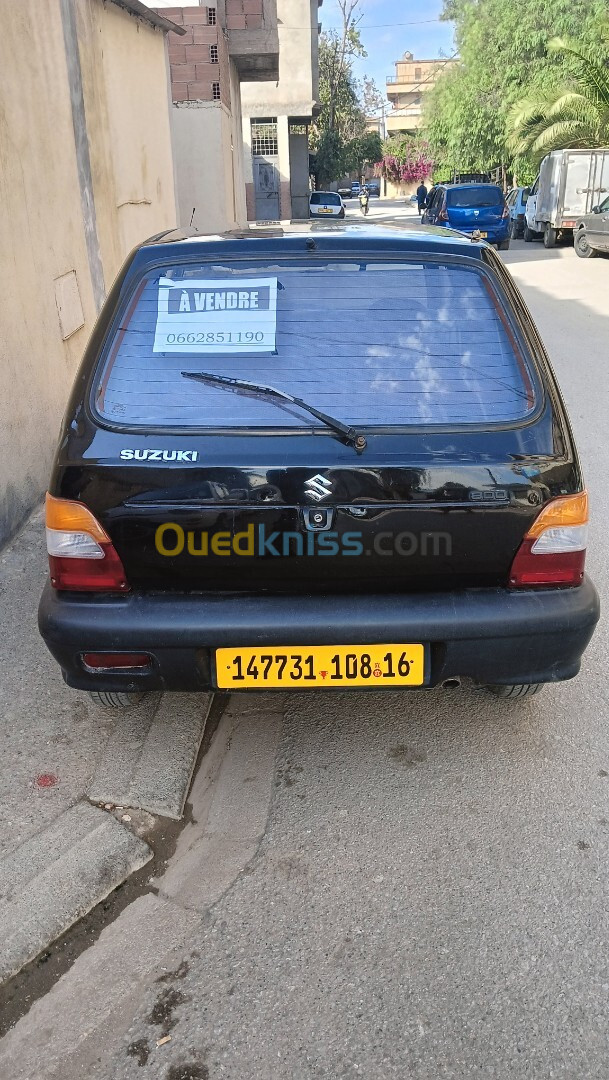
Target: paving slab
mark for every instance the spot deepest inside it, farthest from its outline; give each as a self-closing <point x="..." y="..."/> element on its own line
<point x="149" y="759"/>
<point x="58" y="875"/>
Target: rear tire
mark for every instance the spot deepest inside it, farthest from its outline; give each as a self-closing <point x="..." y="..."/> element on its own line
<point x="515" y="691"/>
<point x="504" y="245"/>
<point x="549" y="237"/>
<point x="582" y="247"/>
<point x="529" y="235"/>
<point x="116" y="699"/>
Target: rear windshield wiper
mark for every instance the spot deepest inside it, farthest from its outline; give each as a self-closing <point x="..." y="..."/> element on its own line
<point x="349" y="434"/>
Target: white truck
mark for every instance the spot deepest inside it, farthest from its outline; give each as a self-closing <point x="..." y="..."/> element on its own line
<point x="569" y="184"/>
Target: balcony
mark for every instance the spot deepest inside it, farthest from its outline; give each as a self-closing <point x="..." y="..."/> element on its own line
<point x="253" y="40"/>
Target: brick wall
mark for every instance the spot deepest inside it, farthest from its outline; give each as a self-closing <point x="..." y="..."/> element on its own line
<point x="244" y="14"/>
<point x="193" y="74"/>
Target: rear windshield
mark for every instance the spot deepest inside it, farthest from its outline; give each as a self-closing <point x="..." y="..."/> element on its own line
<point x="371" y="343"/>
<point x="486" y="195"/>
<point x="327" y="197"/>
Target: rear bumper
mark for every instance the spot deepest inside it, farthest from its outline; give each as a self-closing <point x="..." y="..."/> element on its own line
<point x="495" y="234"/>
<point x="488" y="635"/>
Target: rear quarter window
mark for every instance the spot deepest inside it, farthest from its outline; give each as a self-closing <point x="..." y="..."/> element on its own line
<point x="373" y="343"/>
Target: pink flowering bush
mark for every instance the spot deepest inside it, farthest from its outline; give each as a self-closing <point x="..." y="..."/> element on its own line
<point x="410" y="162"/>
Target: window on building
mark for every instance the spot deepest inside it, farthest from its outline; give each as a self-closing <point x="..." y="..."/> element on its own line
<point x="215" y="91"/>
<point x="211" y="16"/>
<point x="264" y="137"/>
<point x="417" y="73"/>
<point x="213" y="54"/>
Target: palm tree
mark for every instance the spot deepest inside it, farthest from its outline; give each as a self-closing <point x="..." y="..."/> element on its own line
<point x="573" y="115"/>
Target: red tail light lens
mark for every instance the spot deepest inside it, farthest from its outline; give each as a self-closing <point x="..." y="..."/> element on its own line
<point x="82" y="557"/>
<point x="443" y="216"/>
<point x="553" y="551"/>
<point x="505" y="212"/>
<point x="116" y="661"/>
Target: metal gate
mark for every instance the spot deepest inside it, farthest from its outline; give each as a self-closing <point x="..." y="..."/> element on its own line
<point x="265" y="162"/>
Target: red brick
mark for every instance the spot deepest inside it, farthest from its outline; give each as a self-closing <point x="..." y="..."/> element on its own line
<point x="254" y="22"/>
<point x="235" y="22"/>
<point x="234" y="7"/>
<point x="197" y="53"/>
<point x="194" y="15"/>
<point x="205" y="35"/>
<point x="199" y="91"/>
<point x="177" y="53"/>
<point x="252" y="7"/>
<point x="173" y="14"/>
<point x="179" y="92"/>
<point x="184" y="39"/>
<point x="206" y="72"/>
<point x="181" y="73"/>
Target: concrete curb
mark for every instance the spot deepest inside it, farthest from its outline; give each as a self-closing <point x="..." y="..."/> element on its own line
<point x="149" y="759"/>
<point x="57" y="876"/>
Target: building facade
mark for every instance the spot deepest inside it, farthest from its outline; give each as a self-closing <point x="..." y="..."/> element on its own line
<point x="406" y="91"/>
<point x="220" y="46"/>
<point x="86" y="173"/>
<point x="276" y="118"/>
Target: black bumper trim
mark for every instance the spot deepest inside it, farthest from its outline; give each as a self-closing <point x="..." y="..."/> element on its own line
<point x="489" y="635"/>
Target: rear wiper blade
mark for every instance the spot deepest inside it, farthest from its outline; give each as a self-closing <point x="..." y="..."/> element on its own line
<point x="349" y="434"/>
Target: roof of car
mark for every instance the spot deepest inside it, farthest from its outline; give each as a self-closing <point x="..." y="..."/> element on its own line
<point x="326" y="235"/>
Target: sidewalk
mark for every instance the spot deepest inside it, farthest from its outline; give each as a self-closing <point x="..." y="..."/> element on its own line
<point x="66" y="761"/>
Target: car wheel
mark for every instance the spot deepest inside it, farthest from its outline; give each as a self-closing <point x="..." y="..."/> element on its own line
<point x="529" y="235"/>
<point x="582" y="247"/>
<point x="515" y="691"/>
<point x="115" y="699"/>
<point x="514" y="230"/>
<point x="504" y="245"/>
<point x="549" y="237"/>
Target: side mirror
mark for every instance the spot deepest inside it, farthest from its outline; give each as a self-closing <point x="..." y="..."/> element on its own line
<point x="596" y="209"/>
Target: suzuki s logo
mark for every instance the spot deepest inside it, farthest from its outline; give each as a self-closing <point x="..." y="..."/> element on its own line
<point x="318" y="488"/>
<point x="159" y="455"/>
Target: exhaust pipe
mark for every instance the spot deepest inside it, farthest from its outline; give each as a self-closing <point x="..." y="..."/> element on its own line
<point x="452" y="684"/>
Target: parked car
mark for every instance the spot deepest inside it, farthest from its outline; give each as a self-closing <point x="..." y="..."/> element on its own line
<point x="326" y="204"/>
<point x="516" y="202"/>
<point x="345" y="191"/>
<point x="592" y="232"/>
<point x="374" y="188"/>
<point x="315" y="458"/>
<point x="356" y="187"/>
<point x="569" y="184"/>
<point x="479" y="208"/>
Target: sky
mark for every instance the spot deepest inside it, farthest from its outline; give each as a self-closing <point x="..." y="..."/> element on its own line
<point x="386" y="38"/>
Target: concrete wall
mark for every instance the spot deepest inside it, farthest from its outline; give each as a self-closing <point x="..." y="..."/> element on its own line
<point x="68" y="218"/>
<point x="291" y="98"/>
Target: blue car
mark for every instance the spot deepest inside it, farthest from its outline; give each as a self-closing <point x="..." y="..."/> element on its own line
<point x="479" y="208"/>
<point x="516" y="202"/>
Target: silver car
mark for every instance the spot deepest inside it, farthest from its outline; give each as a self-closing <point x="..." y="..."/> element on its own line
<point x="591" y="233"/>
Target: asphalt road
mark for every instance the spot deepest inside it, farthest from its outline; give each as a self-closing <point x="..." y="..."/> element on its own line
<point x="430" y="897"/>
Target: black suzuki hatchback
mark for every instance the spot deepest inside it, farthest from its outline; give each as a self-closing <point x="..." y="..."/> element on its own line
<point x="316" y="457"/>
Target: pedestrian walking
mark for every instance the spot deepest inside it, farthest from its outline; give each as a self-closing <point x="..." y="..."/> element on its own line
<point x="421" y="197"/>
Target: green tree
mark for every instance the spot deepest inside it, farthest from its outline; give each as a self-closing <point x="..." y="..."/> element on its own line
<point x="341" y="118"/>
<point x="365" y="150"/>
<point x="575" y="114"/>
<point x="503" y="57"/>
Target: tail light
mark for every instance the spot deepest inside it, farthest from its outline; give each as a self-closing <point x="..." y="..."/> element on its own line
<point x="81" y="555"/>
<point x="553" y="551"/>
<point x="443" y="215"/>
<point x="505" y="212"/>
<point x="116" y="661"/>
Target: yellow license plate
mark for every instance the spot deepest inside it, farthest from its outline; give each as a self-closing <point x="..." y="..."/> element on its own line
<point x="295" y="667"/>
<point x="324" y="211"/>
<point x="484" y="235"/>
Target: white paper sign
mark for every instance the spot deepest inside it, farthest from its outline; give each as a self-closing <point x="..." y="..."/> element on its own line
<point x="235" y="316"/>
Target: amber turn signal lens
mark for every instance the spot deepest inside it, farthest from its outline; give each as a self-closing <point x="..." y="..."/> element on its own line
<point x="66" y="515"/>
<point x="566" y="510"/>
